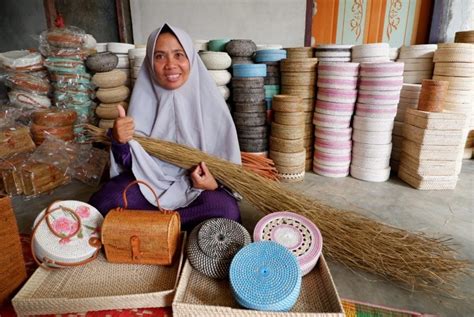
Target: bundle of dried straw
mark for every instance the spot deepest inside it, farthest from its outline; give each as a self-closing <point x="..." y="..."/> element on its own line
<point x="417" y="261"/>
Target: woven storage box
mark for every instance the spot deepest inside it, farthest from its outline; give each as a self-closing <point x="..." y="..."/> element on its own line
<point x="427" y="182"/>
<point x="430" y="152"/>
<point x="427" y="167"/>
<point x="432" y="137"/>
<point x="198" y="295"/>
<point x="15" y="140"/>
<point x="99" y="285"/>
<point x="12" y="265"/>
<point x="435" y="120"/>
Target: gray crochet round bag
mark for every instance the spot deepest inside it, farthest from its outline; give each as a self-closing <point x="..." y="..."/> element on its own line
<point x="213" y="243"/>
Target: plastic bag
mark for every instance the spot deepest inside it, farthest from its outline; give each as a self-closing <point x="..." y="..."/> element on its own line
<point x="67" y="42"/>
<point x="28" y="83"/>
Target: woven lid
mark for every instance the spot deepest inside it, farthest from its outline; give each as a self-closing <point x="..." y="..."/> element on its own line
<point x="265" y="276"/>
<point x="67" y="249"/>
<point x="213" y="243"/>
<point x="296" y="233"/>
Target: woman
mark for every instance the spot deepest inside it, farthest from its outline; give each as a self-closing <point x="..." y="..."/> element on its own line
<point x="174" y="99"/>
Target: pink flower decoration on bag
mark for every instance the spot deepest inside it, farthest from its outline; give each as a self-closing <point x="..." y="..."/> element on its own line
<point x="83" y="211"/>
<point x="64" y="226"/>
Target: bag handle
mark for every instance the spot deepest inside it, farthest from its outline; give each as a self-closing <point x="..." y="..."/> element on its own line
<point x="95" y="242"/>
<point x="124" y="194"/>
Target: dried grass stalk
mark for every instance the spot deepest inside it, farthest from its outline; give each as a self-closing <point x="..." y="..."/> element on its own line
<point x="417" y="261"/>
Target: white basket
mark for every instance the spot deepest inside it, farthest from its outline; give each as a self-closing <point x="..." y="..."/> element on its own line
<point x="370" y="175"/>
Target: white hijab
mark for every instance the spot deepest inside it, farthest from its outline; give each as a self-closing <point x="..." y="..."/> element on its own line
<point x="194" y="114"/>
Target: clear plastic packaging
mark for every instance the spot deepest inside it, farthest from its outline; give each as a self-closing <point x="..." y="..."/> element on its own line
<point x="67" y="42"/>
<point x="89" y="164"/>
<point x="21" y="60"/>
<point x="27" y="82"/>
<point x="27" y="100"/>
<point x="10" y="172"/>
<point x="15" y="139"/>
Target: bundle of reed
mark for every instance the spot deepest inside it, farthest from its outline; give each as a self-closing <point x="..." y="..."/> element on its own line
<point x="260" y="165"/>
<point x="414" y="259"/>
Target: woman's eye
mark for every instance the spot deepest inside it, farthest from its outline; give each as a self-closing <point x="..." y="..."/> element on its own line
<point x="159" y="56"/>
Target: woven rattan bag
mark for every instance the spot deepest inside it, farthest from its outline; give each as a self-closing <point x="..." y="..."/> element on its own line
<point x="141" y="236"/>
<point x="12" y="265"/>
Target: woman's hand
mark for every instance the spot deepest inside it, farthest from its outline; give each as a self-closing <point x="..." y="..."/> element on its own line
<point x="202" y="178"/>
<point x="124" y="127"/>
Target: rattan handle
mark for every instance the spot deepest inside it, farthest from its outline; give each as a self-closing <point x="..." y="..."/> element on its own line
<point x="124" y="195"/>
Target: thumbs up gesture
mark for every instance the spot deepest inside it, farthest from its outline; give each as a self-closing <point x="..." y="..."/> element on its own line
<point x="124" y="127"/>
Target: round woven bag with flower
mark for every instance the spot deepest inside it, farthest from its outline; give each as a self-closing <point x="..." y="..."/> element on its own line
<point x="67" y="233"/>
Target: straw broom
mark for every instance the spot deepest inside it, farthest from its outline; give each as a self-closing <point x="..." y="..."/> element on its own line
<point x="414" y="259"/>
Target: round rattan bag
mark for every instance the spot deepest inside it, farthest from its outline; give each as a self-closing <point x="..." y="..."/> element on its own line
<point x="296" y="233"/>
<point x="212" y="245"/>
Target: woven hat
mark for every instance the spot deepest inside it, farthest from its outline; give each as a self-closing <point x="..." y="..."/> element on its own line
<point x="296" y="233"/>
<point x="213" y="244"/>
<point x="265" y="276"/>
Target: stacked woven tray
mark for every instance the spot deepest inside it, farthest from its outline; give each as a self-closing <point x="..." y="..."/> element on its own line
<point x="136" y="57"/>
<point x="371" y="53"/>
<point x="418" y="60"/>
<point x="337" y="94"/>
<point x="112" y="84"/>
<point x="217" y="63"/>
<point x="454" y="63"/>
<point x="121" y="51"/>
<point x="58" y="123"/>
<point x="464" y="37"/>
<point x="333" y="53"/>
<point x="430" y="146"/>
<point x="379" y="94"/>
<point x="298" y="78"/>
<point x="287" y="138"/>
<point x="249" y="110"/>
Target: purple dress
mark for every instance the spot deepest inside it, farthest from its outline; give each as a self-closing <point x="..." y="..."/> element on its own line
<point x="210" y="204"/>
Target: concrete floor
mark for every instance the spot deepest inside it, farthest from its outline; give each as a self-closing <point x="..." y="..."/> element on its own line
<point x="393" y="202"/>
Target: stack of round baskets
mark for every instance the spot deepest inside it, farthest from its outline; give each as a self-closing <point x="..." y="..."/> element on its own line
<point x="287" y="138"/>
<point x="112" y="90"/>
<point x="57" y="123"/>
<point x="298" y="78"/>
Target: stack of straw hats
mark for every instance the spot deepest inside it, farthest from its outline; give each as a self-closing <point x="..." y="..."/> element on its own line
<point x="432" y="141"/>
<point x="408" y="99"/>
<point x="112" y="90"/>
<point x="136" y="57"/>
<point x="333" y="53"/>
<point x="271" y="57"/>
<point x="287" y="138"/>
<point x="217" y="63"/>
<point x="337" y="94"/>
<point x="200" y="45"/>
<point x="249" y="114"/>
<point x="454" y="63"/>
<point x="298" y="78"/>
<point x="418" y="61"/>
<point x="464" y="37"/>
<point x="371" y="53"/>
<point x="379" y="92"/>
<point x="121" y="50"/>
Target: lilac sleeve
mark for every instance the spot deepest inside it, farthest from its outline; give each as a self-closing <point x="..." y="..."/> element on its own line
<point x="121" y="152"/>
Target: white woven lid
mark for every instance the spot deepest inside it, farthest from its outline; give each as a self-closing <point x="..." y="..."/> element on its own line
<point x="119" y="48"/>
<point x="372" y="124"/>
<point x="73" y="249"/>
<point x="370" y="175"/>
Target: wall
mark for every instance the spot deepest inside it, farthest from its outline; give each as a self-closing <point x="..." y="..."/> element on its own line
<point x="21" y="22"/>
<point x="397" y="22"/>
<point x="449" y="17"/>
<point x="263" y="21"/>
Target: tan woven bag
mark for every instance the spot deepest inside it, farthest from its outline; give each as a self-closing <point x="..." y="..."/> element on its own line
<point x="12" y="265"/>
<point x="141" y="236"/>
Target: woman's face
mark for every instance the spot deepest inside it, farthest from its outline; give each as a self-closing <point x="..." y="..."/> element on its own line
<point x="170" y="62"/>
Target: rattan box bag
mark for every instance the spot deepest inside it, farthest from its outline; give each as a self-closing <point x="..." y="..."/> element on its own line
<point x="65" y="234"/>
<point x="141" y="236"/>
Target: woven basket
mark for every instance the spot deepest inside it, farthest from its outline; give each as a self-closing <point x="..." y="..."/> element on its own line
<point x="432" y="137"/>
<point x="287" y="103"/>
<point x="306" y="91"/>
<point x="198" y="295"/>
<point x="299" y="52"/>
<point x="430" y="152"/>
<point x="427" y="183"/>
<point x="288" y="159"/>
<point x="298" y="65"/>
<point x="12" y="265"/>
<point x="286" y="146"/>
<point x="428" y="167"/>
<point x="99" y="286"/>
<point x="300" y="78"/>
<point x="15" y="140"/>
<point x="291" y="177"/>
<point x="289" y="118"/>
<point x="330" y="171"/>
<point x="435" y="120"/>
<point x="287" y="132"/>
